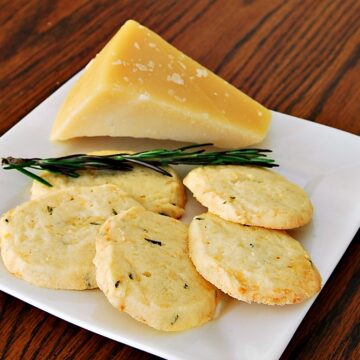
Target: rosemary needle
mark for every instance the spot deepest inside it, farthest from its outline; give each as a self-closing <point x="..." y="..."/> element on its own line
<point x="152" y="159"/>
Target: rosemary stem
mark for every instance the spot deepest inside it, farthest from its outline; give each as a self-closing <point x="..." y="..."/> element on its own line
<point x="151" y="159"/>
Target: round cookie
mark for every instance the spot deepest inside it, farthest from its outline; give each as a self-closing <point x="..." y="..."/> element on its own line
<point x="143" y="268"/>
<point x="156" y="192"/>
<point x="50" y="242"/>
<point x="250" y="195"/>
<point x="252" y="264"/>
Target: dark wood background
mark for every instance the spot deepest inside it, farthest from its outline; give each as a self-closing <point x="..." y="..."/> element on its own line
<point x="300" y="57"/>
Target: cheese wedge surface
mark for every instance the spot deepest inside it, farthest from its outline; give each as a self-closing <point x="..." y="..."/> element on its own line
<point x="141" y="86"/>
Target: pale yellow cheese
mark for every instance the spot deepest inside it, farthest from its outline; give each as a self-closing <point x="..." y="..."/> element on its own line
<point x="141" y="86"/>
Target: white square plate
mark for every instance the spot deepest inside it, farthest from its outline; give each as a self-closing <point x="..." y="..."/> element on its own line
<point x="323" y="160"/>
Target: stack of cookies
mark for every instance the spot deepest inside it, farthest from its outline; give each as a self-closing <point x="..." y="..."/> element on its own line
<point x="240" y="245"/>
<point x="119" y="231"/>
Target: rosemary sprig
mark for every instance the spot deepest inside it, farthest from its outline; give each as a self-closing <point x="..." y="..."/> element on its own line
<point x="152" y="159"/>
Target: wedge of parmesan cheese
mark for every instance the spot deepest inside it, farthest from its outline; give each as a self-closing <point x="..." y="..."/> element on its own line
<point x="141" y="86"/>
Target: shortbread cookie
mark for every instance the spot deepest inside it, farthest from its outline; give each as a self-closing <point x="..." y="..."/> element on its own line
<point x="250" y="195"/>
<point x="250" y="263"/>
<point x="143" y="268"/>
<point x="50" y="242"/>
<point x="156" y="192"/>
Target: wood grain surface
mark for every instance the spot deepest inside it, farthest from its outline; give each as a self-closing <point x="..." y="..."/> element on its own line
<point x="300" y="57"/>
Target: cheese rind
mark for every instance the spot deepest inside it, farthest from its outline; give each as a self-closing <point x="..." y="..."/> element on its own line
<point x="141" y="86"/>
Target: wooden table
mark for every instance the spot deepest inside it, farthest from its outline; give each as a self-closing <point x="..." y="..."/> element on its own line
<point x="298" y="57"/>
